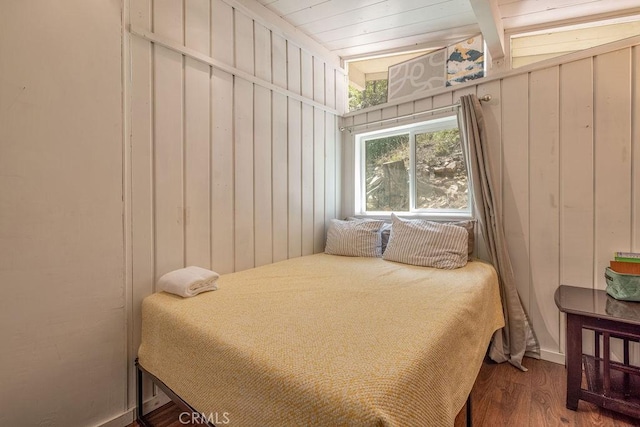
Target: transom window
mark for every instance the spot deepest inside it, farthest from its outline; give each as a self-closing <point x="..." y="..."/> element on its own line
<point x="417" y="168"/>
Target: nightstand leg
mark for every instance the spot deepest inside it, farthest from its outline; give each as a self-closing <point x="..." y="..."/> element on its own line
<point x="606" y="364"/>
<point x="625" y="378"/>
<point x="574" y="360"/>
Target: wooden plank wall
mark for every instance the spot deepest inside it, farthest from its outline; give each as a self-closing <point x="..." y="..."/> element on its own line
<point x="227" y="174"/>
<point x="565" y="144"/>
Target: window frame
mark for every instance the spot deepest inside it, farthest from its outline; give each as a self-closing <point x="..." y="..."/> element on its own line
<point x="436" y="123"/>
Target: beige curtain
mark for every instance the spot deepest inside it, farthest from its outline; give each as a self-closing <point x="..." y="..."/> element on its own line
<point x="516" y="339"/>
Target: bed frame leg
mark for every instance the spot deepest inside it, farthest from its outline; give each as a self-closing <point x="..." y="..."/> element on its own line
<point x="469" y="417"/>
<point x="140" y="418"/>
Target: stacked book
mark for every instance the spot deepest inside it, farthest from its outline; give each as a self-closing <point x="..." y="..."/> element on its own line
<point x="626" y="263"/>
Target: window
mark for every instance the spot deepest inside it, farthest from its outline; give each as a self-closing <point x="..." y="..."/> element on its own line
<point x="368" y="78"/>
<point x="417" y="168"/>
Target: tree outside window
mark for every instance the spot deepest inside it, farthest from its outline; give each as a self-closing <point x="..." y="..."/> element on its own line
<point x="375" y="93"/>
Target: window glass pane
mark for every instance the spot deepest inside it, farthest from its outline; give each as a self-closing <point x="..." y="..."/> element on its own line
<point x="374" y="93"/>
<point x="441" y="174"/>
<point x="387" y="173"/>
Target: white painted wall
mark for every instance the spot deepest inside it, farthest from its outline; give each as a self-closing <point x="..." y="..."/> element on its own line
<point x="233" y="157"/>
<point x="565" y="143"/>
<point x="222" y="171"/>
<point x="62" y="303"/>
<point x="229" y="174"/>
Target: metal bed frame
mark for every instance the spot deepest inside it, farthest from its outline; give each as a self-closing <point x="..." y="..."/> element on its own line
<point x="140" y="416"/>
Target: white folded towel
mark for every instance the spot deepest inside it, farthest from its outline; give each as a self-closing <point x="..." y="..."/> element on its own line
<point x="188" y="282"/>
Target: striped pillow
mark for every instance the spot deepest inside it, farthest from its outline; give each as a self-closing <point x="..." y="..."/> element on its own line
<point x="354" y="238"/>
<point x="468" y="225"/>
<point x="426" y="243"/>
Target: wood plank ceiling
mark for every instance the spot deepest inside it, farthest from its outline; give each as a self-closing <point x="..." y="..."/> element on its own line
<point x="361" y="28"/>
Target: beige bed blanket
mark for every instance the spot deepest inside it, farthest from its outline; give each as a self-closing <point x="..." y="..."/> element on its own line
<point x="325" y="340"/>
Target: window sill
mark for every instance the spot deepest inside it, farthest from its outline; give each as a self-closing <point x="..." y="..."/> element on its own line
<point x="440" y="216"/>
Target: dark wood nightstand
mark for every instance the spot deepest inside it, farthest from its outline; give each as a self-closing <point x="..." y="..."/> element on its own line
<point x="610" y="384"/>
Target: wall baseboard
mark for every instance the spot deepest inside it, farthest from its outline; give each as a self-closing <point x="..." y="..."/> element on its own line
<point x="128" y="417"/>
<point x="552" y="356"/>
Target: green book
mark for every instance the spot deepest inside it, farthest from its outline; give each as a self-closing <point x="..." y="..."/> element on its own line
<point x="627" y="259"/>
<point x="627" y="254"/>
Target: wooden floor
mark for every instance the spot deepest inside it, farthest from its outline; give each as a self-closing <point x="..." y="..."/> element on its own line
<point x="505" y="396"/>
<point x="502" y="396"/>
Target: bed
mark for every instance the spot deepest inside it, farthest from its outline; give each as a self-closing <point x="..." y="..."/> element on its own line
<point x="326" y="340"/>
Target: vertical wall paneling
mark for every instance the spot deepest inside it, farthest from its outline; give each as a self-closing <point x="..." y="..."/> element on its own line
<point x="222" y="174"/>
<point x="372" y="117"/>
<point x="612" y="157"/>
<point x="331" y="192"/>
<point x="280" y="183"/>
<point x="544" y="240"/>
<point x="417" y="107"/>
<point x="219" y="172"/>
<point x="168" y="18"/>
<point x="306" y="74"/>
<point x="262" y="150"/>
<point x="576" y="174"/>
<point x="390" y="112"/>
<point x="515" y="164"/>
<point x="262" y="176"/>
<point x="244" y="48"/>
<point x="408" y="108"/>
<point x="442" y="100"/>
<point x="279" y="150"/>
<point x="196" y="138"/>
<point x="142" y="227"/>
<point x="128" y="292"/>
<point x="239" y="170"/>
<point x="330" y="169"/>
<point x="635" y="148"/>
<point x="612" y="152"/>
<point x="280" y="179"/>
<point x="341" y="82"/>
<point x="347" y="165"/>
<point x="222" y="150"/>
<point x="168" y="139"/>
<point x="337" y="137"/>
<point x="360" y="119"/>
<point x="197" y="31"/>
<point x="244" y="173"/>
<point x="612" y="161"/>
<point x="319" y="207"/>
<point x="330" y="87"/>
<point x="318" y="80"/>
<point x="307" y="180"/>
<point x="295" y="152"/>
<point x="243" y="138"/>
<point x="222" y="35"/>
